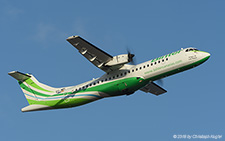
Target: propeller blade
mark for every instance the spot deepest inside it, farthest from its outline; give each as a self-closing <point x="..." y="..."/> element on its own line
<point x="130" y="57"/>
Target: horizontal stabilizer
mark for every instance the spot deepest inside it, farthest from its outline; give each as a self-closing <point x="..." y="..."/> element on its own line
<point x="153" y="88"/>
<point x="19" y="75"/>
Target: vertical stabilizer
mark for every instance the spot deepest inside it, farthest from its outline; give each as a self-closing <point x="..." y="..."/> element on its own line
<point x="34" y="91"/>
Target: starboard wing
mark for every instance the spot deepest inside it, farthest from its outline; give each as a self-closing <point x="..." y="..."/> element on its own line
<point x="153" y="88"/>
<point x="95" y="55"/>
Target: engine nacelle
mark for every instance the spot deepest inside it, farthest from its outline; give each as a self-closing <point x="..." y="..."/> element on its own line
<point x="119" y="60"/>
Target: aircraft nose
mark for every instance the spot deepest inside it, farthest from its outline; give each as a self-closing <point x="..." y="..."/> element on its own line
<point x="206" y="55"/>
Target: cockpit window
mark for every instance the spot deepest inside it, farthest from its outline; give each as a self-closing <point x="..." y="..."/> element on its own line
<point x="191" y="49"/>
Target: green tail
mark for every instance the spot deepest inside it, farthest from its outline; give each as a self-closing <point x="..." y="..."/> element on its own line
<point x="34" y="91"/>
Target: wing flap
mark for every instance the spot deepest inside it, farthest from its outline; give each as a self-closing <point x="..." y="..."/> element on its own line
<point x="153" y="88"/>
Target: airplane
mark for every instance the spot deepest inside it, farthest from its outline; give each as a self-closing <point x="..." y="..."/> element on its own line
<point x="121" y="77"/>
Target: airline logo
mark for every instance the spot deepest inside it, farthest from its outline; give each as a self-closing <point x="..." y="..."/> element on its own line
<point x="168" y="55"/>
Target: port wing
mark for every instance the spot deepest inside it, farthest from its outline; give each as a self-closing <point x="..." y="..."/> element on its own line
<point x="95" y="55"/>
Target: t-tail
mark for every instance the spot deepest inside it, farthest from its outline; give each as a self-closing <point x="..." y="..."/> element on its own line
<point x="34" y="91"/>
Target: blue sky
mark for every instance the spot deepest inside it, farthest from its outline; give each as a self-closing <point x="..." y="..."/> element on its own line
<point x="33" y="40"/>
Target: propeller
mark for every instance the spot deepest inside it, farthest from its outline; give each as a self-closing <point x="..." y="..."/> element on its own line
<point x="132" y="60"/>
<point x="131" y="57"/>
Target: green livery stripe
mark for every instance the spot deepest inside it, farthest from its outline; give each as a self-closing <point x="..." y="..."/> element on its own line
<point x="115" y="87"/>
<point x="63" y="103"/>
<point x="32" y="91"/>
<point x="31" y="83"/>
<point x="110" y="88"/>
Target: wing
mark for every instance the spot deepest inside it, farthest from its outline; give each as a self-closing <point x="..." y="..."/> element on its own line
<point x="95" y="55"/>
<point x="153" y="88"/>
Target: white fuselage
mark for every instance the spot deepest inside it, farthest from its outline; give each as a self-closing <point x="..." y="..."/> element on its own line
<point x="156" y="68"/>
<point x="125" y="81"/>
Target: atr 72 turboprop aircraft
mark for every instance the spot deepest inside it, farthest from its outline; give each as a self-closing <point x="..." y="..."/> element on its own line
<point x="120" y="78"/>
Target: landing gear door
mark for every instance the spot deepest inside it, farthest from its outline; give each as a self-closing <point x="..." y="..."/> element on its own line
<point x="122" y="87"/>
